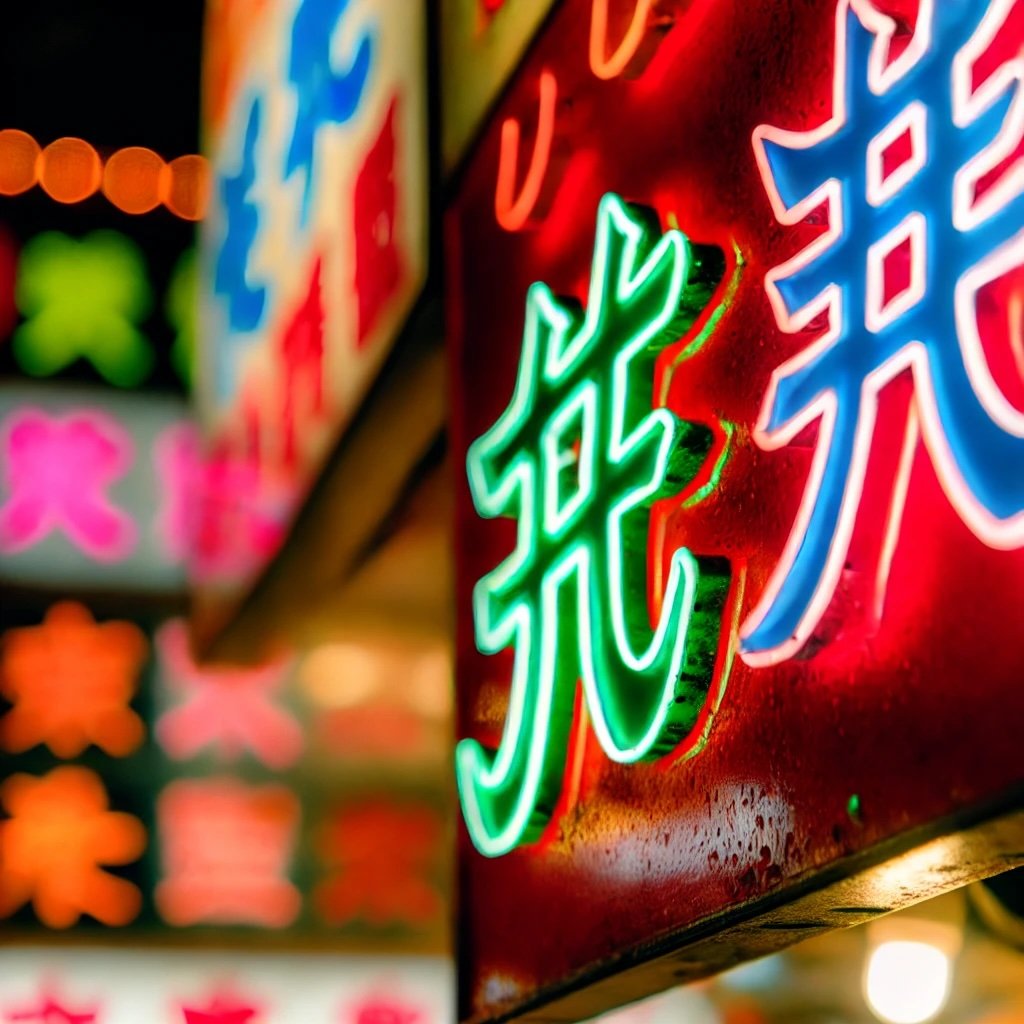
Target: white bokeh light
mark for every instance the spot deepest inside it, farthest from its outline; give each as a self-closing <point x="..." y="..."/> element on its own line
<point x="907" y="982"/>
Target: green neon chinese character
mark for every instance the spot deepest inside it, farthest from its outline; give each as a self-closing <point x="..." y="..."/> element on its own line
<point x="578" y="456"/>
<point x="83" y="299"/>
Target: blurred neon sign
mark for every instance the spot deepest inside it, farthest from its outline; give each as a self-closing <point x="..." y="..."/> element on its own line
<point x="72" y="984"/>
<point x="574" y="455"/>
<point x="288" y="364"/>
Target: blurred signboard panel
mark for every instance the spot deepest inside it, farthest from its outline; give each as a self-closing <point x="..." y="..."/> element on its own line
<point x="116" y="986"/>
<point x="315" y="246"/>
<point x="737" y="297"/>
<point x="482" y="43"/>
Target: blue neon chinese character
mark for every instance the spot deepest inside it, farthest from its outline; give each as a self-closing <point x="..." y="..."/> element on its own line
<point x="324" y="97"/>
<point x="957" y="242"/>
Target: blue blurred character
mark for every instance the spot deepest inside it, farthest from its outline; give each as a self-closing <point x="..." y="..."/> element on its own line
<point x="324" y="96"/>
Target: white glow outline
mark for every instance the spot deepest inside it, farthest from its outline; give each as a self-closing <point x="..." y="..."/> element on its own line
<point x="581" y="404"/>
<point x="913" y="118"/>
<point x="996" y="533"/>
<point x="879" y="314"/>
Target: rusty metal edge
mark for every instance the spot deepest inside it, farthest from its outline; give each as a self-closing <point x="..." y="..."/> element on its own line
<point x="906" y="869"/>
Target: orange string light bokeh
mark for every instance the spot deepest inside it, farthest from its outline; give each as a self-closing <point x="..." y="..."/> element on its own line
<point x="134" y="179"/>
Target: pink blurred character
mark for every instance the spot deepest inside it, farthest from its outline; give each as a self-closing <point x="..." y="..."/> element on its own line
<point x="229" y="709"/>
<point x="57" y="470"/>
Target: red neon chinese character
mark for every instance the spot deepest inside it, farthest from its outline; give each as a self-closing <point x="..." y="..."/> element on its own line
<point x="302" y="359"/>
<point x="49" y="1011"/>
<point x="229" y="709"/>
<point x="69" y="680"/>
<point x="381" y="856"/>
<point x="378" y="261"/>
<point x="58" y="470"/>
<point x="226" y="850"/>
<point x="380" y="1010"/>
<point x="58" y="833"/>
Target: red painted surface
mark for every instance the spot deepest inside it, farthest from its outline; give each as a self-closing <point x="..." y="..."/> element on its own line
<point x="910" y="712"/>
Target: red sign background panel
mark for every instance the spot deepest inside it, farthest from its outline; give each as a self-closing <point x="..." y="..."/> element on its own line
<point x="911" y="712"/>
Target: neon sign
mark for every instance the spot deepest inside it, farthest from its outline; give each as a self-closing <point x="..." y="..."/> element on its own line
<point x="911" y="167"/>
<point x="576" y="455"/>
<point x="959" y="239"/>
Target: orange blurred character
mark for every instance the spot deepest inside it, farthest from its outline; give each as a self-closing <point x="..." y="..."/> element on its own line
<point x="226" y="850"/>
<point x="382" y="856"/>
<point x="70" y="680"/>
<point x="58" y="835"/>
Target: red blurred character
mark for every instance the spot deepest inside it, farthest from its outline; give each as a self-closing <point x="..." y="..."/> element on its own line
<point x="226" y="850"/>
<point x="302" y="361"/>
<point x="220" y="1010"/>
<point x="381" y="1010"/>
<point x="51" y="1012"/>
<point x="378" y="261"/>
<point x="382" y="856"/>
